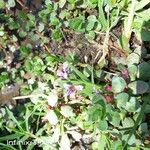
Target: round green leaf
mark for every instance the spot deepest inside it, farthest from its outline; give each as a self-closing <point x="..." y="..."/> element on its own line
<point x="133" y="58"/>
<point x="132" y="105"/>
<point x="138" y="87"/>
<point x="143" y="72"/>
<point x="121" y="99"/>
<point x="118" y="84"/>
<point x="132" y="69"/>
<point x="11" y="3"/>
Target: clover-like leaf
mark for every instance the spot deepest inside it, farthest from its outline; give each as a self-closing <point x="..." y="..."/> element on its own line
<point x="133" y="58"/>
<point x="128" y="122"/>
<point x="11" y="3"/>
<point x="132" y="69"/>
<point x="103" y="125"/>
<point x="121" y="99"/>
<point x="143" y="72"/>
<point x="118" y="84"/>
<point x="56" y="34"/>
<point x="138" y="87"/>
<point x="76" y="23"/>
<point x="91" y="22"/>
<point x="132" y="105"/>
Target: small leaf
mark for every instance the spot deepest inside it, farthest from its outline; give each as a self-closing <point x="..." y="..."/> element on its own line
<point x="132" y="105"/>
<point x="51" y="117"/>
<point x="103" y="125"/>
<point x="76" y="23"/>
<point x="118" y="84"/>
<point x="56" y="34"/>
<point x="67" y="111"/>
<point x="11" y="3"/>
<point x="133" y="58"/>
<point x="141" y="4"/>
<point x="138" y="87"/>
<point x="62" y="3"/>
<point x="115" y="119"/>
<point x="121" y="99"/>
<point x="143" y="128"/>
<point x="91" y="35"/>
<point x="65" y="143"/>
<point x="132" y="69"/>
<point x="52" y="99"/>
<point x="145" y="33"/>
<point x="91" y="22"/>
<point x="143" y="72"/>
<point x="41" y="27"/>
<point x="127" y="122"/>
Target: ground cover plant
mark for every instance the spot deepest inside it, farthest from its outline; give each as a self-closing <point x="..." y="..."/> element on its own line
<point x="74" y="74"/>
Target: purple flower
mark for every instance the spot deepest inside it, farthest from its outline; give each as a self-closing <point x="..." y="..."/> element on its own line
<point x="63" y="71"/>
<point x="71" y="90"/>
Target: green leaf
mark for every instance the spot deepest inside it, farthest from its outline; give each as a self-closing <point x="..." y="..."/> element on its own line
<point x="90" y="35"/>
<point x="54" y="20"/>
<point x="57" y="35"/>
<point x="145" y="33"/>
<point x="2" y="4"/>
<point x="115" y="119"/>
<point x="101" y="16"/>
<point x="138" y="120"/>
<point x="67" y="111"/>
<point x="128" y="122"/>
<point x="10" y="137"/>
<point x="47" y="2"/>
<point x="132" y="140"/>
<point x="25" y="50"/>
<point x="138" y="87"/>
<point x="133" y="58"/>
<point x="79" y="73"/>
<point x="95" y="113"/>
<point x="22" y="34"/>
<point x="93" y="1"/>
<point x="62" y="3"/>
<point x="141" y="51"/>
<point x="132" y="69"/>
<point x="14" y="119"/>
<point x="11" y="3"/>
<point x="121" y="99"/>
<point x="76" y="23"/>
<point x="141" y="4"/>
<point x="91" y="22"/>
<point x="143" y="72"/>
<point x="4" y="77"/>
<point x="132" y="105"/>
<point x="103" y="125"/>
<point x="7" y="146"/>
<point x="118" y="84"/>
<point x="143" y="128"/>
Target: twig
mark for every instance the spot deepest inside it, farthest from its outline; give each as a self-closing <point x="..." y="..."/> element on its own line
<point x="29" y="96"/>
<point x="21" y="3"/>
